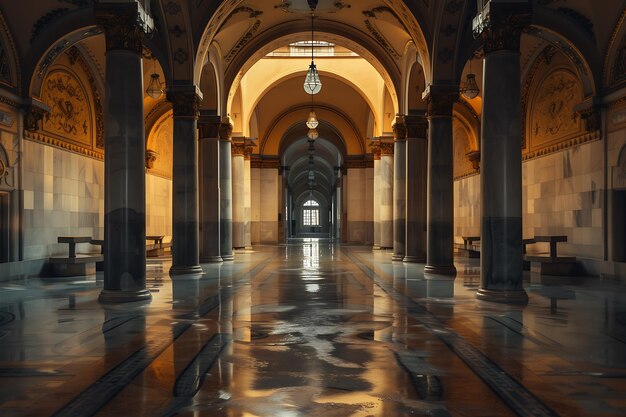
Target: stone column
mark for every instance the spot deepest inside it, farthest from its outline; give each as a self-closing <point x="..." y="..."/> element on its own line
<point x="237" y="149"/>
<point x="209" y="188"/>
<point x="399" y="189"/>
<point x="185" y="229"/>
<point x="501" y="264"/>
<point x="124" y="157"/>
<point x="375" y="145"/>
<point x="416" y="175"/>
<point x="226" y="191"/>
<point x="440" y="233"/>
<point x="247" y="197"/>
<point x="386" y="194"/>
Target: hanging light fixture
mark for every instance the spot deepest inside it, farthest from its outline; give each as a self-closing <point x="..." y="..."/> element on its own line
<point x="155" y="88"/>
<point x="312" y="83"/>
<point x="470" y="89"/>
<point x="313" y="134"/>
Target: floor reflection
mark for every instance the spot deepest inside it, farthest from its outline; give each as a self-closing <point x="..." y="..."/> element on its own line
<point x="311" y="329"/>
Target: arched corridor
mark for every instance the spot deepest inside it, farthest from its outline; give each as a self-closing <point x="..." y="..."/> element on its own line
<point x="292" y="208"/>
<point x="310" y="329"/>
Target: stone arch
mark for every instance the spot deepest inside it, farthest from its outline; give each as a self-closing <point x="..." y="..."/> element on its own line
<point x="10" y="73"/>
<point x="614" y="73"/>
<point x="159" y="145"/>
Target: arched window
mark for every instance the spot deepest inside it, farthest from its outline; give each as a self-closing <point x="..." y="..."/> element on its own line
<point x="311" y="213"/>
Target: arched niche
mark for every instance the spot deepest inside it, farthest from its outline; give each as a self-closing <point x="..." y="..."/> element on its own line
<point x="159" y="145"/>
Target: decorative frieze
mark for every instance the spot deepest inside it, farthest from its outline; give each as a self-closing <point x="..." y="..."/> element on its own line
<point x="359" y="163"/>
<point x="264" y="163"/>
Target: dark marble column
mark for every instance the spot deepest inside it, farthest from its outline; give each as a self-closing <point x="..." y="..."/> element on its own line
<point x="440" y="238"/>
<point x="399" y="189"/>
<point x="237" y="161"/>
<point x="209" y="188"/>
<point x="386" y="194"/>
<point x="185" y="228"/>
<point x="501" y="264"/>
<point x="416" y="175"/>
<point x="226" y="191"/>
<point x="124" y="157"/>
<point x="375" y="145"/>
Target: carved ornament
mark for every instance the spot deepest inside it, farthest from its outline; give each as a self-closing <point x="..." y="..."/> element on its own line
<point x="386" y="148"/>
<point x="553" y="116"/>
<point x="121" y="24"/>
<point x="151" y="156"/>
<point x="70" y="116"/>
<point x="375" y="145"/>
<point x="441" y="101"/>
<point x="225" y="130"/>
<point x="501" y="25"/>
<point x="238" y="149"/>
<point x="417" y="127"/>
<point x="185" y="104"/>
<point x="399" y="129"/>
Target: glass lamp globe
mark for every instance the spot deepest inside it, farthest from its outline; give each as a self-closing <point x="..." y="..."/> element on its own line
<point x="313" y="134"/>
<point x="471" y="89"/>
<point x="312" y="122"/>
<point x="155" y="89"/>
<point x="312" y="83"/>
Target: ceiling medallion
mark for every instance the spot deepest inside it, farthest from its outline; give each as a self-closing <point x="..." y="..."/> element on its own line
<point x="304" y="6"/>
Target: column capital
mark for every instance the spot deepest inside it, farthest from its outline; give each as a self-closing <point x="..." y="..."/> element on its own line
<point x="225" y="130"/>
<point x="386" y="147"/>
<point x="185" y="101"/>
<point x="501" y="24"/>
<point x="399" y="128"/>
<point x="247" y="153"/>
<point x="440" y="99"/>
<point x="208" y="124"/>
<point x="238" y="148"/>
<point x="375" y="145"/>
<point x="121" y="23"/>
<point x="416" y="125"/>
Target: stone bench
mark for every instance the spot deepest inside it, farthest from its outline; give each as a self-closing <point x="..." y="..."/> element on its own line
<point x="73" y="264"/>
<point x="468" y="247"/>
<point x="552" y="264"/>
<point x="158" y="247"/>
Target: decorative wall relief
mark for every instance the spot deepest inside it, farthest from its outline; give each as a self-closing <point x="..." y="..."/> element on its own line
<point x="70" y="115"/>
<point x="552" y="115"/>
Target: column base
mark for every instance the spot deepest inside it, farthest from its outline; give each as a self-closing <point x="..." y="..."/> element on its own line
<point x="397" y="257"/>
<point x="414" y="259"/>
<point x="186" y="270"/>
<point x="226" y="258"/>
<point x="120" y="296"/>
<point x="211" y="259"/>
<point x="239" y="247"/>
<point x="448" y="270"/>
<point x="508" y="297"/>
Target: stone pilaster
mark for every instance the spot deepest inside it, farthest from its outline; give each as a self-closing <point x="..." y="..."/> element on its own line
<point x="501" y="272"/>
<point x="440" y="227"/>
<point x="386" y="193"/>
<point x="375" y="145"/>
<point x="209" y="188"/>
<point x="416" y="185"/>
<point x="238" y="148"/>
<point x="399" y="188"/>
<point x="185" y="229"/>
<point x="226" y="191"/>
<point x="124" y="156"/>
<point x="247" y="190"/>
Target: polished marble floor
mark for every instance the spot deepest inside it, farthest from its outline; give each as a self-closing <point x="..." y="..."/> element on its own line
<point x="312" y="329"/>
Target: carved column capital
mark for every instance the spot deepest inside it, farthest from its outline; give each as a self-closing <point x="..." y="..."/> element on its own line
<point x="238" y="149"/>
<point x="399" y="128"/>
<point x="417" y="127"/>
<point x="225" y="130"/>
<point x="386" y="148"/>
<point x="500" y="25"/>
<point x="247" y="153"/>
<point x="441" y="99"/>
<point x="375" y="145"/>
<point x="185" y="103"/>
<point x="121" y="23"/>
<point x="208" y="125"/>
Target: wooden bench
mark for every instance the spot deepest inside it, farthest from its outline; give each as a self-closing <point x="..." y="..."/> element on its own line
<point x="73" y="264"/>
<point x="552" y="264"/>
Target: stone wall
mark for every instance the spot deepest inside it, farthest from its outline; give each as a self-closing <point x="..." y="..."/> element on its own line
<point x="562" y="194"/>
<point x="63" y="196"/>
<point x="360" y="205"/>
<point x="158" y="206"/>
